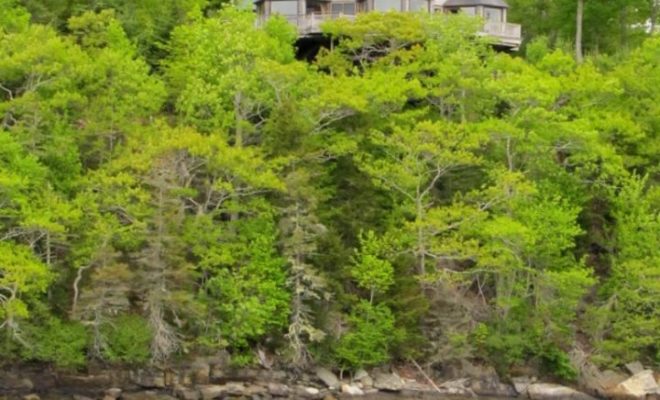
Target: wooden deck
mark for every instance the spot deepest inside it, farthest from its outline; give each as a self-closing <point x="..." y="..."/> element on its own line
<point x="506" y="34"/>
<point x="310" y="24"/>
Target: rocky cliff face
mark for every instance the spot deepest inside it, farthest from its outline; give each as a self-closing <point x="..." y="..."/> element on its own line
<point x="212" y="378"/>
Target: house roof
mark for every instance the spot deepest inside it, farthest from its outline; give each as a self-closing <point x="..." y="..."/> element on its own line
<point x="472" y="3"/>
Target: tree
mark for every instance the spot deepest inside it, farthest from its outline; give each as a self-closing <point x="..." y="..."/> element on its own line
<point x="22" y="276"/>
<point x="411" y="162"/>
<point x="610" y="27"/>
<point x="372" y="333"/>
<point x="625" y="325"/>
<point x="300" y="230"/>
<point x="139" y="197"/>
<point x="579" y="16"/>
<point x="370" y="339"/>
<point x="173" y="181"/>
<point x="244" y="281"/>
<point x="121" y="92"/>
<point x="107" y="287"/>
<point x="13" y="17"/>
<point x="371" y="271"/>
<point x="230" y="59"/>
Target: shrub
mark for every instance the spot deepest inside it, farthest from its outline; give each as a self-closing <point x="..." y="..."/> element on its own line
<point x="128" y="339"/>
<point x="63" y="343"/>
<point x="370" y="339"/>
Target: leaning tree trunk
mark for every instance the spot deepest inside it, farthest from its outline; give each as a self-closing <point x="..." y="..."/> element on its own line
<point x="578" y="31"/>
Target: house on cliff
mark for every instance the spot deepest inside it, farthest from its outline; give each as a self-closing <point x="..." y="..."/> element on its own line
<point x="307" y="15"/>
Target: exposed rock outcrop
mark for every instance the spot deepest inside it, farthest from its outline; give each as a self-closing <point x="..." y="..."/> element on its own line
<point x="637" y="387"/>
<point x="203" y="379"/>
<point x="14" y="382"/>
<point x="150" y="379"/>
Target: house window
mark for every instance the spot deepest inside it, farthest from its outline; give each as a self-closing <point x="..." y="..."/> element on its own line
<point x="472" y="11"/>
<point x="419" y="5"/>
<point x="284" y="8"/>
<point x="387" y="5"/>
<point x="345" y="8"/>
<point x="493" y="14"/>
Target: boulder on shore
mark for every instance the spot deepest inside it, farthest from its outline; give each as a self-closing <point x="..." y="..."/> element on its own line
<point x="306" y="392"/>
<point x="186" y="393"/>
<point x="113" y="393"/>
<point x="521" y="383"/>
<point x="360" y="374"/>
<point x="634" y="367"/>
<point x="327" y="377"/>
<point x="351" y="390"/>
<point x="636" y="387"/>
<point x="599" y="383"/>
<point x="278" y="389"/>
<point x="551" y="391"/>
<point x="492" y="389"/>
<point x="388" y="382"/>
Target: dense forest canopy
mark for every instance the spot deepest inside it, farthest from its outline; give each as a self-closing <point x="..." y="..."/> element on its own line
<point x="173" y="181"/>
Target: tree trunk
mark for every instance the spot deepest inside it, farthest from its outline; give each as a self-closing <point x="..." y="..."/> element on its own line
<point x="623" y="22"/>
<point x="238" y="114"/>
<point x="655" y="4"/>
<point x="238" y="138"/>
<point x="421" y="241"/>
<point x="578" y="31"/>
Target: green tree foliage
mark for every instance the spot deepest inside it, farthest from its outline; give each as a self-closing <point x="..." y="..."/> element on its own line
<point x="128" y="338"/>
<point x="13" y="17"/>
<point x="54" y="341"/>
<point x="626" y="323"/>
<point x="300" y="229"/>
<point x="174" y="181"/>
<point x="148" y="23"/>
<point x="371" y="270"/>
<point x="608" y="26"/>
<point x="372" y="331"/>
<point x="22" y="275"/>
<point x="121" y="91"/>
<point x="370" y="339"/>
<point x="244" y="279"/>
<point x="218" y="71"/>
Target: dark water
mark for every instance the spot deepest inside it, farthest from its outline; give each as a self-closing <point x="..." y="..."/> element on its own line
<point x="382" y="396"/>
<point x="377" y="396"/>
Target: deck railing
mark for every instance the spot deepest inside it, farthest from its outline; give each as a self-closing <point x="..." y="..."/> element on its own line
<point x="502" y="29"/>
<point x="311" y="23"/>
<point x="316" y="19"/>
<point x="507" y="34"/>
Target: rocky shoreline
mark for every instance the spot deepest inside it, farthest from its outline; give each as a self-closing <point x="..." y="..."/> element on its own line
<point x="210" y="379"/>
